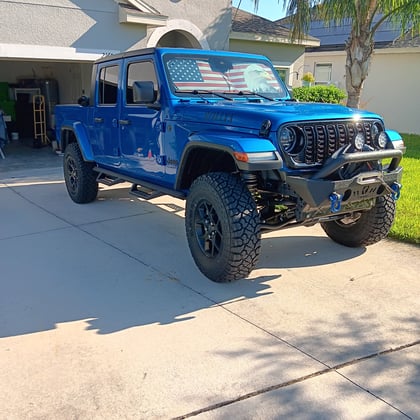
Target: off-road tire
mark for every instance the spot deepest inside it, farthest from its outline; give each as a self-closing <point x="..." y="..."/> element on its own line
<point x="80" y="178"/>
<point x="223" y="227"/>
<point x="371" y="227"/>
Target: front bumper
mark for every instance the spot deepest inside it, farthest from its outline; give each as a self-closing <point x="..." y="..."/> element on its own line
<point x="322" y="198"/>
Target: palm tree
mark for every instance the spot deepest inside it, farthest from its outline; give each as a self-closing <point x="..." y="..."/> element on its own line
<point x="365" y="16"/>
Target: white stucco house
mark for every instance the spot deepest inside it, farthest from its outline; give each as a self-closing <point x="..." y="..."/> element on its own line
<point x="59" y="39"/>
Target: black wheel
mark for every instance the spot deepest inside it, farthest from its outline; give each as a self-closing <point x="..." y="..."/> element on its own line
<point x="364" y="228"/>
<point x="223" y="227"/>
<point x="80" y="178"/>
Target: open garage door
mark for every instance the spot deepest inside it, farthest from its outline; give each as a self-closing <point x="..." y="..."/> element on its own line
<point x="22" y="80"/>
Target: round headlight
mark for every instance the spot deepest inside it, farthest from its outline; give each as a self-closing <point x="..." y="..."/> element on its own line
<point x="375" y="131"/>
<point x="287" y="139"/>
<point x="359" y="141"/>
<point x="382" y="140"/>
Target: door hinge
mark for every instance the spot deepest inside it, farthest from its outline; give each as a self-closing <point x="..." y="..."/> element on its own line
<point x="161" y="126"/>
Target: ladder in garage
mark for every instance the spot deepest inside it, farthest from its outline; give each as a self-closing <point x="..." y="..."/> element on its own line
<point x="40" y="126"/>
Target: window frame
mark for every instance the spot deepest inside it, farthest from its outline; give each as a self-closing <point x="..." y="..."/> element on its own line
<point x="324" y="65"/>
<point x="127" y="79"/>
<point x="104" y="81"/>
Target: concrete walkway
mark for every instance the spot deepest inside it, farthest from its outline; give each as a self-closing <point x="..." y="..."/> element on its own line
<point x="103" y="315"/>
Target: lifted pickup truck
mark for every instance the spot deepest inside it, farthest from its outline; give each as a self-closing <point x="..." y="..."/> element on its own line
<point x="221" y="130"/>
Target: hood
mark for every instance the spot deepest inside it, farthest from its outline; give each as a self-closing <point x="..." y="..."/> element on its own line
<point x="250" y="115"/>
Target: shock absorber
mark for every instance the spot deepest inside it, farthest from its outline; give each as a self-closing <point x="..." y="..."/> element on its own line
<point x="250" y="180"/>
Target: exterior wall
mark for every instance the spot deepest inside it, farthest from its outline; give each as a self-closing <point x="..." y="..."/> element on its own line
<point x="296" y="72"/>
<point x="65" y="23"/>
<point x="336" y="58"/>
<point x="213" y="18"/>
<point x="390" y="88"/>
<point x="393" y="90"/>
<point x="88" y="25"/>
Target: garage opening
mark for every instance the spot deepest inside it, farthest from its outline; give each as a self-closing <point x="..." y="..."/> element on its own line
<point x="29" y="91"/>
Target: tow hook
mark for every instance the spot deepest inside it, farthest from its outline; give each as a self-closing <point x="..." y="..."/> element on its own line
<point x="396" y="191"/>
<point x="335" y="199"/>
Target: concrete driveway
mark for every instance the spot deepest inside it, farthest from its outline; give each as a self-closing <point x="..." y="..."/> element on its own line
<point x="103" y="315"/>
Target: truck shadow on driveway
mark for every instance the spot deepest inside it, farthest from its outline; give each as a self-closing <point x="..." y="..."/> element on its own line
<point x="119" y="264"/>
<point x="304" y="251"/>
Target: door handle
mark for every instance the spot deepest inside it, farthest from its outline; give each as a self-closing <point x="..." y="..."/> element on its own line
<point x="124" y="122"/>
<point x="98" y="120"/>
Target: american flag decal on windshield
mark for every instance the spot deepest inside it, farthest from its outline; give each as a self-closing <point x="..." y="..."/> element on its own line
<point x="184" y="70"/>
<point x="190" y="74"/>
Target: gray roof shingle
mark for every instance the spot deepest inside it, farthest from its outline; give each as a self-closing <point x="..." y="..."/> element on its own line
<point x="333" y="37"/>
<point x="248" y="23"/>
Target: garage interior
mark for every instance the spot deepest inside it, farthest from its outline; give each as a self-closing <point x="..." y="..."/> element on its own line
<point x="29" y="91"/>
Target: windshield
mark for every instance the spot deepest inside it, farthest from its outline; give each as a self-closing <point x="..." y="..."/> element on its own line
<point x="235" y="75"/>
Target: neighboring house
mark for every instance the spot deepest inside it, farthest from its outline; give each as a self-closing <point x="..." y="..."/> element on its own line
<point x="391" y="88"/>
<point x="254" y="34"/>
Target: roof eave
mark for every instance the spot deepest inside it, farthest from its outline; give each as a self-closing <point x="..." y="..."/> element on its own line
<point x="129" y="16"/>
<point x="249" y="36"/>
<point x="143" y="6"/>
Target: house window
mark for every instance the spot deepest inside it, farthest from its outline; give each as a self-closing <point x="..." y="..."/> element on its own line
<point x="323" y="73"/>
<point x="282" y="73"/>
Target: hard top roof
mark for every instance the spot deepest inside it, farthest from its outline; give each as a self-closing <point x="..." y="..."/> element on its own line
<point x="162" y="51"/>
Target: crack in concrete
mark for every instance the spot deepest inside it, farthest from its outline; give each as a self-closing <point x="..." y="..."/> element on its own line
<point x="334" y="368"/>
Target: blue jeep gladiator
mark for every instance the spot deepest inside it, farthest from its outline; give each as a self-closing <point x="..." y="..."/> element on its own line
<point x="221" y="130"/>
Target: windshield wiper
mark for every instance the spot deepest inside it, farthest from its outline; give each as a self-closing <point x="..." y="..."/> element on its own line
<point x="198" y="92"/>
<point x="249" y="92"/>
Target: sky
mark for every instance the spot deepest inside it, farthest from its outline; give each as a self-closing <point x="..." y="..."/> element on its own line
<point x="269" y="9"/>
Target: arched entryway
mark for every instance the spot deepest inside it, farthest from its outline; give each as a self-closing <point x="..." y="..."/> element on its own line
<point x="178" y="39"/>
<point x="178" y="33"/>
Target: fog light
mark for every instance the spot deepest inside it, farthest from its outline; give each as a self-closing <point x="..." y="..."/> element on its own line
<point x="359" y="141"/>
<point x="382" y="140"/>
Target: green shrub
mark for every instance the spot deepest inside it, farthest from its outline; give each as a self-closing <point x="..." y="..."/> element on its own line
<point x="308" y="77"/>
<point x="320" y="93"/>
<point x="407" y="221"/>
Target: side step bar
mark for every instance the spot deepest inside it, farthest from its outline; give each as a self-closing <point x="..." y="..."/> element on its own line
<point x="144" y="192"/>
<point x="140" y="188"/>
<point x="108" y="180"/>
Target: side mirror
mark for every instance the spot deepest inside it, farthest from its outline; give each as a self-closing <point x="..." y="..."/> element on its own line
<point x="83" y="101"/>
<point x="144" y="92"/>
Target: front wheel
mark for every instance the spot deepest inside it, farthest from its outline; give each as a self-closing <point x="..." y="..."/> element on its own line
<point x="365" y="228"/>
<point x="80" y="178"/>
<point x="223" y="227"/>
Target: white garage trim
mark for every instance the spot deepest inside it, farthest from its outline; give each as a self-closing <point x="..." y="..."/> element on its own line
<point x="46" y="52"/>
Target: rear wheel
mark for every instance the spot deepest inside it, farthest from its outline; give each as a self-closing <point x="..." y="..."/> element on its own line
<point x="364" y="228"/>
<point x="79" y="176"/>
<point x="223" y="227"/>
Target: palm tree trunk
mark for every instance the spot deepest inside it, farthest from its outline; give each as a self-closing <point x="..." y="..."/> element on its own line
<point x="359" y="49"/>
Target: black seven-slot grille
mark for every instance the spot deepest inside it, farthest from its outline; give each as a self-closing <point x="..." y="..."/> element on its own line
<point x="321" y="139"/>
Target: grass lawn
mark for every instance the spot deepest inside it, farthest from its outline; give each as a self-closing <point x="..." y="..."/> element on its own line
<point x="407" y="222"/>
